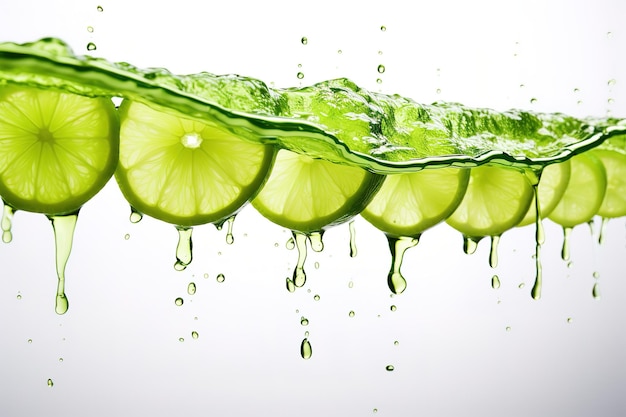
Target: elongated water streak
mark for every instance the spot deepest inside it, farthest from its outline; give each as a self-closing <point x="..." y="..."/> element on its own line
<point x="353" y="250"/>
<point x="184" y="248"/>
<point x="299" y="276"/>
<point x="63" y="226"/>
<point x="7" y="222"/>
<point x="397" y="247"/>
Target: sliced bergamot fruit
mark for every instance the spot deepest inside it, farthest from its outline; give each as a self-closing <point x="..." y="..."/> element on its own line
<point x="497" y="198"/>
<point x="408" y="204"/>
<point x="57" y="150"/>
<point x="309" y="195"/>
<point x="614" y="202"/>
<point x="552" y="185"/>
<point x="584" y="193"/>
<point x="183" y="171"/>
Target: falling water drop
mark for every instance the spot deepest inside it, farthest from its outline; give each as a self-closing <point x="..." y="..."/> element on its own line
<point x="351" y="313"/>
<point x="100" y="9"/>
<point x="220" y="278"/>
<point x="383" y="28"/>
<point x="393" y="308"/>
<point x="495" y="282"/>
<point x="300" y="75"/>
<point x="291" y="287"/>
<point x="91" y="46"/>
<point x="183" y="248"/>
<point x="397" y="247"/>
<point x="305" y="349"/>
<point x="135" y="216"/>
<point x="304" y="40"/>
<point x="316" y="297"/>
<point x="389" y="368"/>
<point x="50" y="383"/>
<point x="611" y="82"/>
<point x="353" y="250"/>
<point x="493" y="253"/>
<point x="470" y="244"/>
<point x="179" y="301"/>
<point x="195" y="335"/>
<point x="90" y="29"/>
<point x="230" y="239"/>
<point x="63" y="227"/>
<point x="381" y="69"/>
<point x="567" y="231"/>
<point x="595" y="291"/>
<point x="191" y="288"/>
<point x="7" y="222"/>
<point x="299" y="276"/>
<point x="304" y="321"/>
<point x="605" y="221"/>
<point x="315" y="238"/>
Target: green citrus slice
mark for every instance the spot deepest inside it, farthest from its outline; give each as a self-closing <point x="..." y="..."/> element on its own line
<point x="496" y="199"/>
<point x="57" y="150"/>
<point x="584" y="193"/>
<point x="552" y="185"/>
<point x="185" y="172"/>
<point x="309" y="195"/>
<point x="408" y="204"/>
<point x="614" y="202"/>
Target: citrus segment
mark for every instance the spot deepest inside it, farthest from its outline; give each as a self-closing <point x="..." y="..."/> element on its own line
<point x="496" y="199"/>
<point x="552" y="185"/>
<point x="614" y="202"/>
<point x="584" y="193"/>
<point x="408" y="204"/>
<point x="307" y="195"/>
<point x="183" y="171"/>
<point x="57" y="150"/>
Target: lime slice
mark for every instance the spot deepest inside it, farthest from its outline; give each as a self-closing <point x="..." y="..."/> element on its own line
<point x="185" y="172"/>
<point x="57" y="150"/>
<point x="584" y="193"/>
<point x="614" y="203"/>
<point x="309" y="195"/>
<point x="552" y="185"/>
<point x="408" y="204"/>
<point x="496" y="199"/>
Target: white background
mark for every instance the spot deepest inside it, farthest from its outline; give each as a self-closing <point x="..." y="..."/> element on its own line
<point x="120" y="339"/>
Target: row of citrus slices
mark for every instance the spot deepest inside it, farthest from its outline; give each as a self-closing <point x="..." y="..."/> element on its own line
<point x="57" y="150"/>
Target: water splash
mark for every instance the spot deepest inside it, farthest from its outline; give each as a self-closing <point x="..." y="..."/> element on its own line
<point x="299" y="276"/>
<point x="306" y="351"/>
<point x="397" y="246"/>
<point x="493" y="253"/>
<point x="7" y="222"/>
<point x="183" y="248"/>
<point x="353" y="250"/>
<point x="567" y="232"/>
<point x="63" y="226"/>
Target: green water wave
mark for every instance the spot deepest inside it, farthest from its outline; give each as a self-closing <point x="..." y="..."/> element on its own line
<point x="334" y="120"/>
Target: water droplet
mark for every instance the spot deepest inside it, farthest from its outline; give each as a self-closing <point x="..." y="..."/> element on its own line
<point x="522" y="86"/>
<point x="304" y="40"/>
<point x="596" y="274"/>
<point x="181" y="339"/>
<point x="50" y="383"/>
<point x="390" y="368"/>
<point x="579" y="102"/>
<point x="300" y="75"/>
<point x="135" y="216"/>
<point x="30" y="340"/>
<point x="206" y="275"/>
<point x="533" y="100"/>
<point x="375" y="410"/>
<point x="230" y="239"/>
<point x="19" y="296"/>
<point x="63" y="227"/>
<point x="191" y="288"/>
<point x="380" y="52"/>
<point x="495" y="282"/>
<point x="350" y="284"/>
<point x="379" y="81"/>
<point x="299" y="276"/>
<point x="291" y="287"/>
<point x="220" y="278"/>
<point x="396" y="343"/>
<point x="383" y="29"/>
<point x="91" y="46"/>
<point x="351" y="313"/>
<point x="470" y="244"/>
<point x="567" y="232"/>
<point x="339" y="51"/>
<point x="397" y="247"/>
<point x="352" y="230"/>
<point x="521" y="285"/>
<point x="493" y="253"/>
<point x="393" y="308"/>
<point x="306" y="334"/>
<point x="179" y="301"/>
<point x="381" y="69"/>
<point x="317" y="244"/>
<point x="195" y="335"/>
<point x="316" y="297"/>
<point x="508" y="328"/>
<point x="316" y="265"/>
<point x="304" y="321"/>
<point x="7" y="222"/>
<point x="595" y="291"/>
<point x="438" y="91"/>
<point x="569" y="320"/>
<point x="183" y="248"/>
<point x="305" y="349"/>
<point x="290" y="244"/>
<point x="100" y="9"/>
<point x="611" y="82"/>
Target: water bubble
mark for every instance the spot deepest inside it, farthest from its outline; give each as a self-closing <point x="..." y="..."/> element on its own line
<point x="304" y="40"/>
<point x="390" y="368"/>
<point x="194" y="334"/>
<point x="126" y="236"/>
<point x="50" y="383"/>
<point x="206" y="275"/>
<point x="381" y="69"/>
<point x="179" y="301"/>
<point x="220" y="278"/>
<point x="90" y="29"/>
<point x="300" y="75"/>
<point x="191" y="288"/>
<point x="91" y="46"/>
<point x="351" y="313"/>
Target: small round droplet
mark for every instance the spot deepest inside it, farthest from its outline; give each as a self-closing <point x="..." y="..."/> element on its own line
<point x="50" y="383"/>
<point x="438" y="91"/>
<point x="495" y="282"/>
<point x="316" y="265"/>
<point x="533" y="100"/>
<point x="179" y="301"/>
<point x="380" y="52"/>
<point x="521" y="285"/>
<point x="60" y="359"/>
<point x="19" y="296"/>
<point x="577" y="90"/>
<point x="206" y="275"/>
<point x="194" y="334"/>
<point x="304" y="321"/>
<point x="339" y="51"/>
<point x="381" y="69"/>
<point x="304" y="40"/>
<point x="569" y="320"/>
<point x="181" y="339"/>
<point x="375" y="410"/>
<point x="379" y="81"/>
<point x="300" y="75"/>
<point x="508" y="328"/>
<point x="393" y="308"/>
<point x="276" y="245"/>
<point x="350" y="284"/>
<point x="351" y="313"/>
<point x="191" y="288"/>
<point x="396" y="343"/>
<point x="30" y="340"/>
<point x="90" y="29"/>
<point x="383" y="28"/>
<point x="522" y="85"/>
<point x="316" y="297"/>
<point x="126" y="236"/>
<point x="611" y="82"/>
<point x="221" y="278"/>
<point x="596" y="274"/>
<point x="389" y="368"/>
<point x="100" y="9"/>
<point x="611" y="101"/>
<point x="609" y="35"/>
<point x="91" y="46"/>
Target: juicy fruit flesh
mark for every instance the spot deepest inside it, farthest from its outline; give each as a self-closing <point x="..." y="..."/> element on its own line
<point x="183" y="171"/>
<point x="614" y="202"/>
<point x="57" y="150"/>
<point x="496" y="200"/>
<point x="408" y="204"/>
<point x="307" y="195"/>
